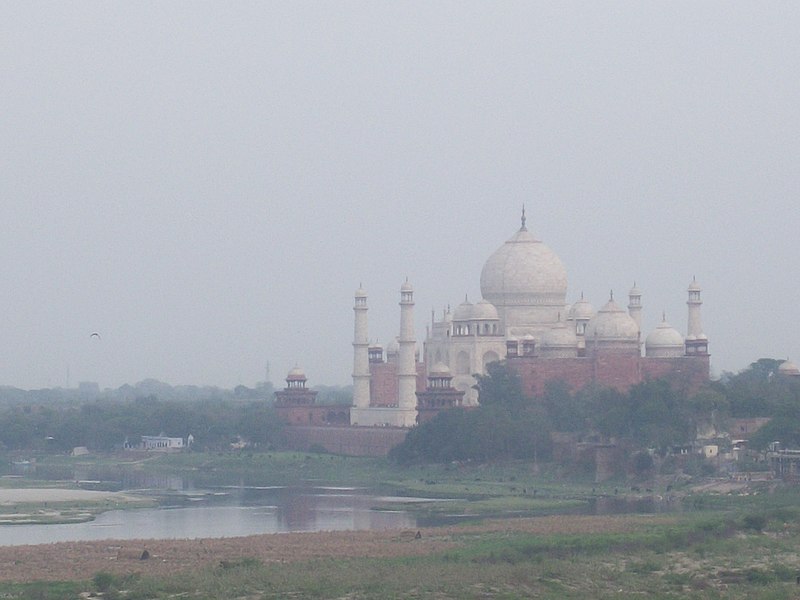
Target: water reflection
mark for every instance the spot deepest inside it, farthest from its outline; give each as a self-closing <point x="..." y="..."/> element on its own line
<point x="227" y="505"/>
<point x="225" y="512"/>
<point x="621" y="505"/>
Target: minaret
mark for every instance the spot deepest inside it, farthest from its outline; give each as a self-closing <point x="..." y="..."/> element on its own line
<point x="696" y="340"/>
<point x="406" y="367"/>
<point x="360" y="352"/>
<point x="635" y="305"/>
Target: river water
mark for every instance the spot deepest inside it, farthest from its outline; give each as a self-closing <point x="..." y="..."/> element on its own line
<point x="228" y="508"/>
<point x="226" y="513"/>
<point x="225" y="507"/>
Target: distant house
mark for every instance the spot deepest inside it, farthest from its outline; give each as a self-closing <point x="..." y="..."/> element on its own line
<point x="157" y="443"/>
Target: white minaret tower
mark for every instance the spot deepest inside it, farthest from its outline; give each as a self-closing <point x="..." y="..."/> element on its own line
<point x="360" y="352"/>
<point x="696" y="340"/>
<point x="406" y="363"/>
<point x="635" y="305"/>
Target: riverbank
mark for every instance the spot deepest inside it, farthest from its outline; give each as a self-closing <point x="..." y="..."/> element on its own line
<point x="681" y="556"/>
<point x="41" y="505"/>
<point x="80" y="560"/>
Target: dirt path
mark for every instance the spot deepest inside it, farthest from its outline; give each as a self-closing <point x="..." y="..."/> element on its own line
<point x="81" y="560"/>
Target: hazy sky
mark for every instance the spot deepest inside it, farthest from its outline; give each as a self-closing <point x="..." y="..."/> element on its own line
<point x="206" y="184"/>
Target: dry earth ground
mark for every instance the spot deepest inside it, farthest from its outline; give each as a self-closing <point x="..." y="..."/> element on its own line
<point x="81" y="560"/>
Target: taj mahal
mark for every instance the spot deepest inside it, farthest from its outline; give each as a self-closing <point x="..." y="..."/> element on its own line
<point x="524" y="319"/>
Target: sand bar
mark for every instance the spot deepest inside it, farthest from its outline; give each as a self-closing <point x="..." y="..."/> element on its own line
<point x="34" y="495"/>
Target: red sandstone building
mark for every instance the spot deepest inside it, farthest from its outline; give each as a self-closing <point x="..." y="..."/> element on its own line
<point x="296" y="404"/>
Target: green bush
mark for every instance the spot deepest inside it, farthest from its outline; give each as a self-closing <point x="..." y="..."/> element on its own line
<point x="754" y="522"/>
<point x="103" y="581"/>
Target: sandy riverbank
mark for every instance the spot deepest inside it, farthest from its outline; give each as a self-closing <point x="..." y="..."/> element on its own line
<point x="81" y="560"/>
<point x="41" y="495"/>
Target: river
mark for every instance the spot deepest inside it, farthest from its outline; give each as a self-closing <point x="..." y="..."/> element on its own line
<point x="226" y="512"/>
<point x="228" y="507"/>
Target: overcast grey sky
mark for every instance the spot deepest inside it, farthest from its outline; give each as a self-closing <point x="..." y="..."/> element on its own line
<point x="206" y="184"/>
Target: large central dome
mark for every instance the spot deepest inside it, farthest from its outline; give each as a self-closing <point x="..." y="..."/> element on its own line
<point x="524" y="272"/>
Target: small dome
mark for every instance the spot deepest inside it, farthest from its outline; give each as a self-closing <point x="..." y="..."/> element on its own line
<point x="360" y="293"/>
<point x="485" y="311"/>
<point x="635" y="291"/>
<point x="560" y="336"/>
<point x="463" y="311"/>
<point x="612" y="324"/>
<point x="581" y="311"/>
<point x="694" y="286"/>
<point x="393" y="347"/>
<point x="406" y="287"/>
<point x="440" y="370"/>
<point x="664" y="341"/>
<point x="788" y="368"/>
<point x="296" y="374"/>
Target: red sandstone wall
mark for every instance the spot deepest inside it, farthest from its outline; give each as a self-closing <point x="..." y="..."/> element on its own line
<point x="686" y="373"/>
<point x="383" y="384"/>
<point x="534" y="373"/>
<point x="315" y="414"/>
<point x="352" y="441"/>
<point x="618" y="371"/>
<point x="383" y="389"/>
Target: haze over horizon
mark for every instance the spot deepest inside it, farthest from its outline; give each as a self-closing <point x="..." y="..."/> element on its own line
<point x="206" y="185"/>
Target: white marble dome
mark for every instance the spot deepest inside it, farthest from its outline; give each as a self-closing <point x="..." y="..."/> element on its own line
<point x="524" y="271"/>
<point x="612" y="325"/>
<point x="581" y="310"/>
<point x="393" y="347"/>
<point x="788" y="368"/>
<point x="296" y="374"/>
<point x="464" y="311"/>
<point x="664" y="342"/>
<point x="560" y="340"/>
<point x="440" y="370"/>
<point x="485" y="311"/>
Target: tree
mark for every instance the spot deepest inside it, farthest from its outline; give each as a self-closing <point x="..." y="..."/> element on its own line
<point x="505" y="425"/>
<point x="500" y="387"/>
<point x="566" y="412"/>
<point x="784" y="427"/>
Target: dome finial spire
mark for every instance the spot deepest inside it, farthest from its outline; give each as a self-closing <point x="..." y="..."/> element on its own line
<point x="523" y="228"/>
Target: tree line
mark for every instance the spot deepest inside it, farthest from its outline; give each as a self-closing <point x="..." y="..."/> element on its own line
<point x="651" y="415"/>
<point x="105" y="425"/>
